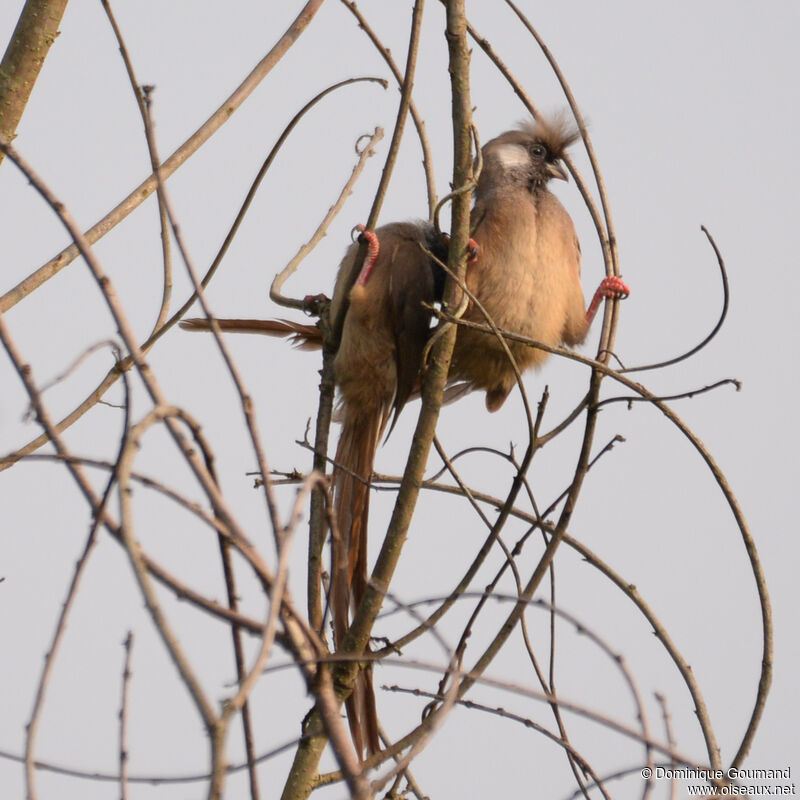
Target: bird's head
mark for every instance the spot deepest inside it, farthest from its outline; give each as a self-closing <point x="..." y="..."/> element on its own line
<point x="527" y="156"/>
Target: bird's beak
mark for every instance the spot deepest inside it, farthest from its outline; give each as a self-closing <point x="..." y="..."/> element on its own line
<point x="556" y="170"/>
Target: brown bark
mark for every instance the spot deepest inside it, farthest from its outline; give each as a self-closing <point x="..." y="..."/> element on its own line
<point x="36" y="30"/>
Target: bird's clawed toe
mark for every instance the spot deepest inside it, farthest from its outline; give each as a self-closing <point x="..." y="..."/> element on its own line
<point x="613" y="286"/>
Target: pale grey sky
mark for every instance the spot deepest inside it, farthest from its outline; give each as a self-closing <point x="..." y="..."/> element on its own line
<point x="693" y="113"/>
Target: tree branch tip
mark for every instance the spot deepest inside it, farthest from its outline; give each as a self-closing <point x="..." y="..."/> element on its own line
<point x="377" y="135"/>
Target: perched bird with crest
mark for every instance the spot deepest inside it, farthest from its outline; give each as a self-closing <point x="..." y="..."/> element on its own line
<point x="525" y="274"/>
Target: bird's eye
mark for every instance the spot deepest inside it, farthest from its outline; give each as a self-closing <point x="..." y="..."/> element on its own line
<point x="538" y="150"/>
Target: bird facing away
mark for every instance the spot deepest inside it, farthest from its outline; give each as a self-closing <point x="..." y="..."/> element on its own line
<point x="525" y="275"/>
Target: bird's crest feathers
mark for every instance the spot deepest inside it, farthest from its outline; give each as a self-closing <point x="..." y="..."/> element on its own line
<point x="510" y="159"/>
<point x="556" y="132"/>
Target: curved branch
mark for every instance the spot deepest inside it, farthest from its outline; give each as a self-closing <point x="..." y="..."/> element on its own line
<point x="714" y="331"/>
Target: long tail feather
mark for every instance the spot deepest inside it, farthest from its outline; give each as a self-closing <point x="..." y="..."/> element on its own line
<point x="361" y="431"/>
<point x="304" y="337"/>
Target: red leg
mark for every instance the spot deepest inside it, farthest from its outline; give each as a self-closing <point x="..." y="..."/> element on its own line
<point x="473" y="248"/>
<point x="610" y="286"/>
<point x="374" y="248"/>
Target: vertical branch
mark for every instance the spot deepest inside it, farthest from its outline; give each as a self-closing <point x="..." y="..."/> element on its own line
<point x="300" y="781"/>
<point x="123" y="719"/>
<point x="662" y="702"/>
<point x="317" y="522"/>
<point x="332" y="328"/>
<point x="238" y="654"/>
<point x="561" y="528"/>
<point x="439" y="363"/>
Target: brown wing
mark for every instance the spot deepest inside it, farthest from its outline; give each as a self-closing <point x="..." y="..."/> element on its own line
<point x="415" y="281"/>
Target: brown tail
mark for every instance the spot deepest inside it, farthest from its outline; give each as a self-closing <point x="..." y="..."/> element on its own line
<point x="304" y="337"/>
<point x="361" y="431"/>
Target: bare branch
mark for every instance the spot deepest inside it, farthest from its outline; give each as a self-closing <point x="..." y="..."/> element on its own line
<point x="36" y="30"/>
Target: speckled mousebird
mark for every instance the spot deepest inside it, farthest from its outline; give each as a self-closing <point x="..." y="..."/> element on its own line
<point x="525" y="272"/>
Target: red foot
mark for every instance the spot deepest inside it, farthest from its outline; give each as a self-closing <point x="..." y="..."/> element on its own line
<point x="374" y="248"/>
<point x="611" y="286"/>
<point x="473" y="248"/>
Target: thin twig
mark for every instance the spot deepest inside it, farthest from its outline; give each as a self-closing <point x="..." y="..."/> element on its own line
<point x="714" y="331"/>
<point x="123" y="718"/>
<point x="662" y="702"/>
<point x="180" y="660"/>
<point x="364" y="152"/>
<point x="98" y="512"/>
<point x="142" y="95"/>
<point x="427" y="158"/>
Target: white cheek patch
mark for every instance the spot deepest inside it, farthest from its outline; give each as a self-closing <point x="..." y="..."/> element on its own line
<point x="512" y="156"/>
